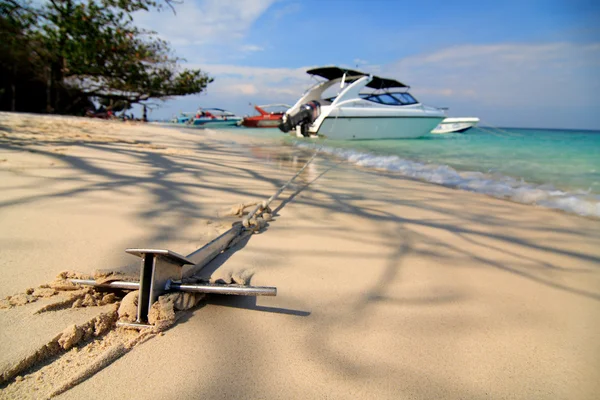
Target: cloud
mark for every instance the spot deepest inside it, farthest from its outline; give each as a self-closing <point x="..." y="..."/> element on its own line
<point x="277" y="83"/>
<point x="236" y="86"/>
<point x="203" y="22"/>
<point x="528" y="85"/>
<point x="249" y="48"/>
<point x="291" y="8"/>
<point x="244" y="89"/>
<point x="496" y="75"/>
<point x="506" y="74"/>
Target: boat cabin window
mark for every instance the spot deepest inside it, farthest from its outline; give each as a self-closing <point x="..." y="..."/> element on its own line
<point x="392" y="99"/>
<point x="387" y="99"/>
<point x="405" y="98"/>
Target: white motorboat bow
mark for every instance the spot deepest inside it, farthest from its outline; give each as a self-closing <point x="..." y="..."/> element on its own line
<point x="451" y="125"/>
<point x="366" y="107"/>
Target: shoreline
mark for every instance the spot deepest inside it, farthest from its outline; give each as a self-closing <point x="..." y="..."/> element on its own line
<point x="499" y="185"/>
<point x="574" y="201"/>
<point x="388" y="287"/>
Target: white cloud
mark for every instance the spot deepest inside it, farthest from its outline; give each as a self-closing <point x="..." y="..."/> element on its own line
<point x="528" y="85"/>
<point x="244" y="89"/>
<point x="236" y="86"/>
<point x="250" y="48"/>
<point x="506" y="74"/>
<point x="497" y="75"/>
<point x="291" y="8"/>
<point x="203" y="22"/>
<point x="278" y="83"/>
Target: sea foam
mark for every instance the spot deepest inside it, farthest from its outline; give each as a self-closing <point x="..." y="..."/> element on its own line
<point x="497" y="185"/>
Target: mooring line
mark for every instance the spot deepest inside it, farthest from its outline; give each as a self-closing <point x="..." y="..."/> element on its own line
<point x="263" y="205"/>
<point x="491" y="129"/>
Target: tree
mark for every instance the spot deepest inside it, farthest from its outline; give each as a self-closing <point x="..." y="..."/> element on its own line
<point x="20" y="61"/>
<point x="115" y="105"/>
<point x="94" y="50"/>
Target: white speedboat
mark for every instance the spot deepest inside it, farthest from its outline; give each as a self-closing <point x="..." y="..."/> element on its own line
<point x="366" y="107"/>
<point x="451" y="125"/>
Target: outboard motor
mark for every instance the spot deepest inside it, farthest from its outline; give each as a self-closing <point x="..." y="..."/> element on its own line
<point x="305" y="116"/>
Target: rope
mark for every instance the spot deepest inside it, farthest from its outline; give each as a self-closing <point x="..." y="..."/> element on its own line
<point x="507" y="133"/>
<point x="238" y="209"/>
<point x="254" y="223"/>
<point x="493" y="128"/>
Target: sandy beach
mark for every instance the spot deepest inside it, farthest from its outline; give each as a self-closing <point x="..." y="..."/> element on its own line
<point x="388" y="288"/>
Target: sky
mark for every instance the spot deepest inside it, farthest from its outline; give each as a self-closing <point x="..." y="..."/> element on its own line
<point x="510" y="63"/>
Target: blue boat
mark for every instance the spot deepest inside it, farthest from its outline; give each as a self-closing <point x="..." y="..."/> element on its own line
<point x="182" y="118"/>
<point x="207" y="118"/>
<point x="214" y="118"/>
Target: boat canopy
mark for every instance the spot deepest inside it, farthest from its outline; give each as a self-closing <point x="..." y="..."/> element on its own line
<point x="219" y="110"/>
<point x="213" y="109"/>
<point x="286" y="106"/>
<point x="377" y="82"/>
<point x="331" y="73"/>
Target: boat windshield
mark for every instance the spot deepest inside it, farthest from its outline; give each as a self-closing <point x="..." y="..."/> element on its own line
<point x="391" y="99"/>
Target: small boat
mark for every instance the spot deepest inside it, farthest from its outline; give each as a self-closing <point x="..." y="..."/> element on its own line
<point x="213" y="118"/>
<point x="451" y="125"/>
<point x="182" y="118"/>
<point x="265" y="119"/>
<point x="363" y="106"/>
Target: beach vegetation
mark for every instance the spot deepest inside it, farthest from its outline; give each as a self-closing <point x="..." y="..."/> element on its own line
<point x="70" y="52"/>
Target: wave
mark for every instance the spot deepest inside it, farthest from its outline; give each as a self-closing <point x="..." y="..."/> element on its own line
<point x="497" y="185"/>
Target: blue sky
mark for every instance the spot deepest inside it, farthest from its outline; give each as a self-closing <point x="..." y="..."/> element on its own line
<point x="511" y="63"/>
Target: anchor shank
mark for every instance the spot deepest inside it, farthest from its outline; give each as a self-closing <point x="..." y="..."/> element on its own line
<point x="212" y="289"/>
<point x="227" y="289"/>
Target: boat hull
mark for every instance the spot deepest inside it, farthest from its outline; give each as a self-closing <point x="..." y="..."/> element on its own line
<point x="215" y="123"/>
<point x="361" y="128"/>
<point x="455" y="125"/>
<point x="261" y="123"/>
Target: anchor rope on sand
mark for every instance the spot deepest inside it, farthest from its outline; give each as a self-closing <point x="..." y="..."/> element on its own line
<point x="256" y="219"/>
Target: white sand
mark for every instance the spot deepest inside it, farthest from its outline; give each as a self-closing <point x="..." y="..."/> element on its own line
<point x="387" y="288"/>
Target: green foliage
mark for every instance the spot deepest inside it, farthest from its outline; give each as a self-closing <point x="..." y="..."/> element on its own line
<point x="115" y="105"/>
<point x="16" y="43"/>
<point x="21" y="59"/>
<point x="93" y="47"/>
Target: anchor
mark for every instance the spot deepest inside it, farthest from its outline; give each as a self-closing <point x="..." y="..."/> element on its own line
<point x="161" y="272"/>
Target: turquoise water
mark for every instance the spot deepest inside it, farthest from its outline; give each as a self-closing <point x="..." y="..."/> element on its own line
<point x="551" y="168"/>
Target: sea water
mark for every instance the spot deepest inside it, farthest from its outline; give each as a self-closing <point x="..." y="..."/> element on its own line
<point x="551" y="168"/>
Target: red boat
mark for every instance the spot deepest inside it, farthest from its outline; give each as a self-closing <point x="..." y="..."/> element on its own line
<point x="266" y="119"/>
